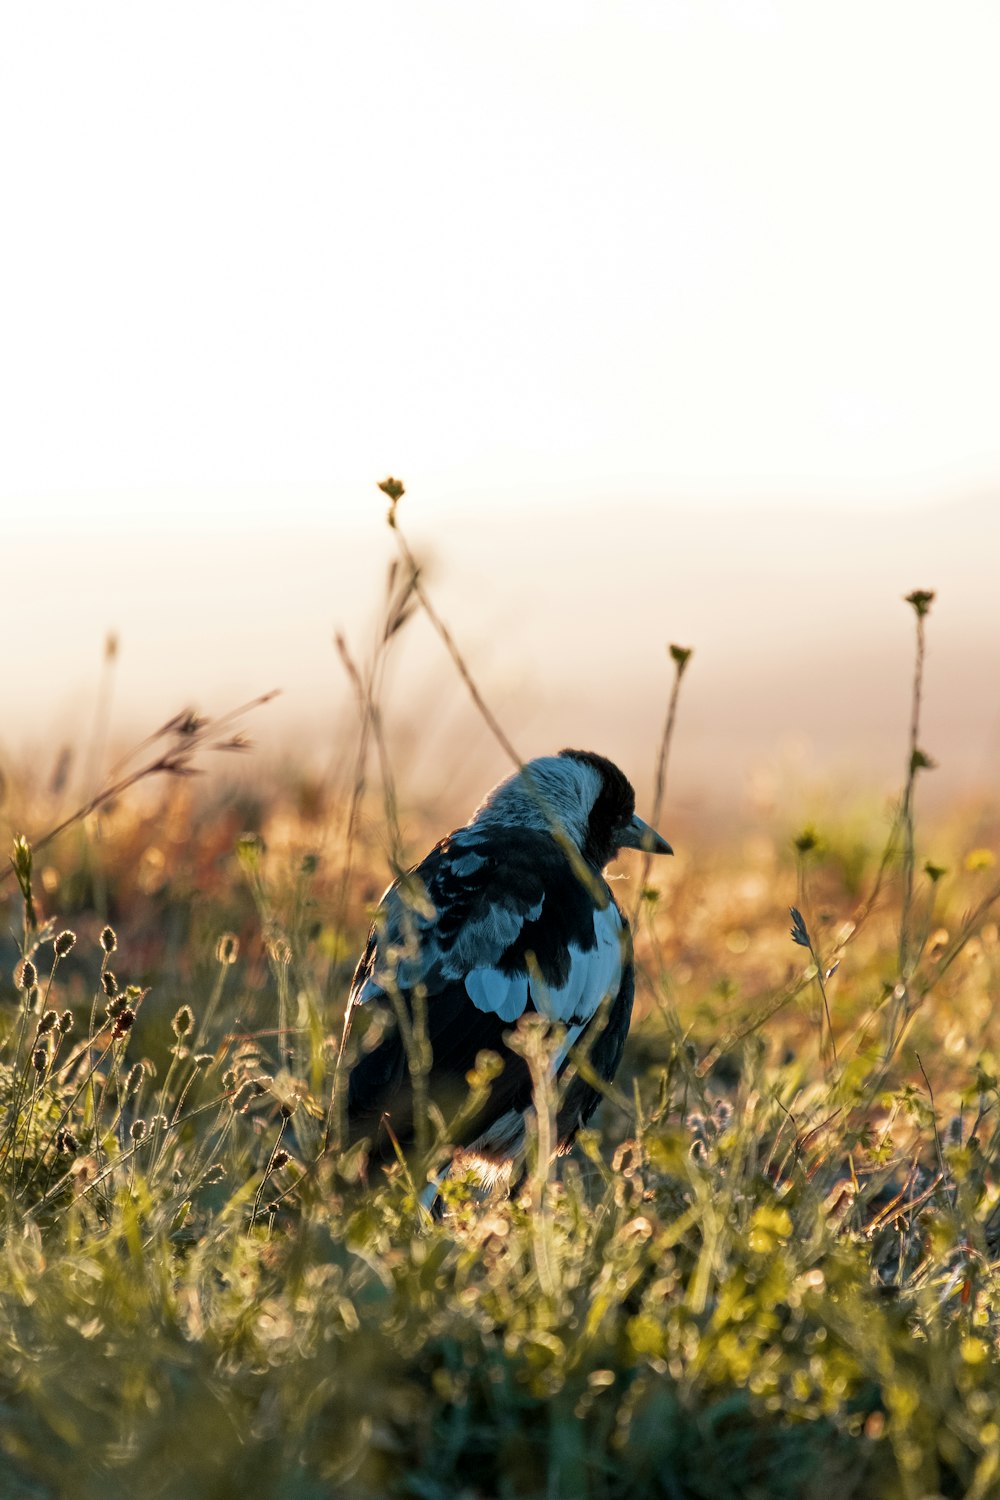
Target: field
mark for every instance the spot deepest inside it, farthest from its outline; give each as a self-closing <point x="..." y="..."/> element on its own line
<point x="770" y="1270"/>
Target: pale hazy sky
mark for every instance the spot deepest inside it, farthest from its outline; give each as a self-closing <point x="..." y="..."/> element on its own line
<point x="258" y="255"/>
<point x="634" y="257"/>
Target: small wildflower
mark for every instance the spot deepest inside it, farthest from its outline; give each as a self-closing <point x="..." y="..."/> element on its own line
<point x="137" y="1130"/>
<point x="394" y="488"/>
<point x="680" y="656"/>
<point x="980" y="859"/>
<point x="182" y="1021"/>
<point x="123" y="1022"/>
<point x="29" y="975"/>
<point x="228" y="948"/>
<point x="40" y="1059"/>
<point x="921" y="599"/>
<point x="109" y="939"/>
<point x="65" y="943"/>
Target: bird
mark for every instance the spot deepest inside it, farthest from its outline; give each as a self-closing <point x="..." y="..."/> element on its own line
<point x="506" y="917"/>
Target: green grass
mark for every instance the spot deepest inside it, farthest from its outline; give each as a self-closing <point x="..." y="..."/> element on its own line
<point x="770" y="1271"/>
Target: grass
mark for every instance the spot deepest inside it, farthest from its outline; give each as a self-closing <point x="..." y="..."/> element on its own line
<point x="770" y="1271"/>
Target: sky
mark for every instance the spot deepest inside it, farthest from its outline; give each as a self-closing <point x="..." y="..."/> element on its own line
<point x="565" y="267"/>
<point x="258" y="255"/>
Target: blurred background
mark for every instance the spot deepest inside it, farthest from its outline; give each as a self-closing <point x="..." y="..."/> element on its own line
<point x="680" y="323"/>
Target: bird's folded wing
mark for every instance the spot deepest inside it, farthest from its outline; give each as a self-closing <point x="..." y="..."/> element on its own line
<point x="502" y="913"/>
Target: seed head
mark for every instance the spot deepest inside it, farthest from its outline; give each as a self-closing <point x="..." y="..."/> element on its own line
<point x="47" y="1022"/>
<point x="29" y="975"/>
<point x="132" y="1082"/>
<point x="137" y="1130"/>
<point x="66" y="1022"/>
<point x="183" y="1021"/>
<point x="65" y="943"/>
<point x="921" y="599"/>
<point x="807" y="840"/>
<point x="109" y="939"/>
<point x="228" y="948"/>
<point x="40" y="1059"/>
<point x="280" y="1159"/>
<point x="66" y="1142"/>
<point x="921" y="761"/>
<point x="109" y="984"/>
<point x="394" y="488"/>
<point x="123" y="1022"/>
<point x="800" y="933"/>
<point x="680" y="656"/>
<point x="250" y="849"/>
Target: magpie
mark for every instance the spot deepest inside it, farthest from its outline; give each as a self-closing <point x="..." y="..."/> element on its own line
<point x="505" y="917"/>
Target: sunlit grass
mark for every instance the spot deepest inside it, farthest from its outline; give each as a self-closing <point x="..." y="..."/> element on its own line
<point x="770" y="1271"/>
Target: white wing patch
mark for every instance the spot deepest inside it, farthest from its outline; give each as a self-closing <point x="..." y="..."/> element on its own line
<point x="593" y="975"/>
<point x="504" y="994"/>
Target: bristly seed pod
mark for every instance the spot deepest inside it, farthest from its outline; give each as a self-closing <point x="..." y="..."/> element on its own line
<point x="109" y="940"/>
<point x="66" y="1022"/>
<point x="29" y="975"/>
<point x="132" y="1082"/>
<point x="183" y="1021"/>
<point x="40" y="1059"/>
<point x="123" y="1022"/>
<point x="47" y="1022"/>
<point x="65" y="943"/>
<point x="228" y="948"/>
<point x="137" y="1130"/>
<point x="109" y="984"/>
<point x="281" y="1159"/>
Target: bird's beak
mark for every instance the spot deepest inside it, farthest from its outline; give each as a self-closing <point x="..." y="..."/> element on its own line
<point x="639" y="835"/>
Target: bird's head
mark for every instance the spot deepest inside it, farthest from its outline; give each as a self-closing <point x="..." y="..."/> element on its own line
<point x="583" y="794"/>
